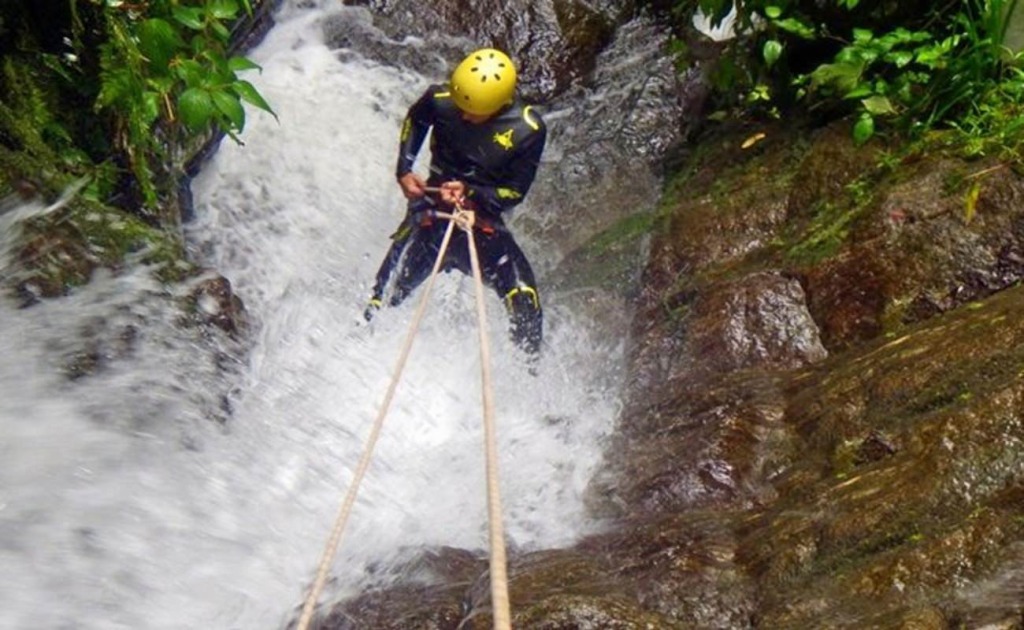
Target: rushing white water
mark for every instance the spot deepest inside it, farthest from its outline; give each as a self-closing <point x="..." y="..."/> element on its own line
<point x="125" y="504"/>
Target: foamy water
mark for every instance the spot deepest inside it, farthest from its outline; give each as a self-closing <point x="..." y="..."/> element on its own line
<point x="126" y="503"/>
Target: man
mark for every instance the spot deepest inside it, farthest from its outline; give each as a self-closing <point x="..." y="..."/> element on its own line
<point x="486" y="145"/>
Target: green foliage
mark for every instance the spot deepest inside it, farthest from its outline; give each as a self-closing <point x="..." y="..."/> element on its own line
<point x="831" y="223"/>
<point x="908" y="66"/>
<point x="994" y="123"/>
<point x="26" y="111"/>
<point x="63" y="248"/>
<point x="31" y="121"/>
<point x="825" y="235"/>
<point x="772" y="51"/>
<point x="917" y="79"/>
<point x="169" y="61"/>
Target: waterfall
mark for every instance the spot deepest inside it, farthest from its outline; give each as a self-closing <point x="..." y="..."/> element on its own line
<point x="192" y="481"/>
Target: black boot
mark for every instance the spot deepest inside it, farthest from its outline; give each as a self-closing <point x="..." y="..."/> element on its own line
<point x="371" y="308"/>
<point x="527" y="324"/>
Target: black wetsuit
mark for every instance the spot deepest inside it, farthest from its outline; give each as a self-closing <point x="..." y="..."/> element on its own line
<point x="497" y="160"/>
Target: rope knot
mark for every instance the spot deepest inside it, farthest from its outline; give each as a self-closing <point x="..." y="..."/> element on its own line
<point x="463" y="218"/>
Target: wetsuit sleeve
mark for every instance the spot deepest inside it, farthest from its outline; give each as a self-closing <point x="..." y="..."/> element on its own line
<point x="414" y="130"/>
<point x="519" y="175"/>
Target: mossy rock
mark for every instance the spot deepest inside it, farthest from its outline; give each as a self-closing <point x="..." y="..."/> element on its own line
<point x="60" y="250"/>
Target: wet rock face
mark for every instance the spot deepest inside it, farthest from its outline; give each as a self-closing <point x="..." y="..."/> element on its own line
<point x="914" y="250"/>
<point x="875" y="483"/>
<point x="357" y="30"/>
<point x="607" y="137"/>
<point x="713" y="445"/>
<point x="848" y="298"/>
<point x="935" y="515"/>
<point x="699" y="437"/>
<point x="457" y="597"/>
<point x="870" y="250"/>
<point x="685" y="567"/>
<point x="215" y="303"/>
<point x="435" y="595"/>
<point x="554" y="41"/>
<point x="759" y="321"/>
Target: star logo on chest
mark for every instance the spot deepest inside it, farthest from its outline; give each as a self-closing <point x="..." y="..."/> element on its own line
<point x="504" y="140"/>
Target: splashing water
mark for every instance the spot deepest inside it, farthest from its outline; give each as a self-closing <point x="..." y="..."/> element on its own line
<point x="124" y="503"/>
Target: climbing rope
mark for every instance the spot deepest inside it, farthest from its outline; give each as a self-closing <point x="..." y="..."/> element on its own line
<point x="498" y="573"/>
<point x="499" y="577"/>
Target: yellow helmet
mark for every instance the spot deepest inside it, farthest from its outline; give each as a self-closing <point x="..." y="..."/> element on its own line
<point x="484" y="82"/>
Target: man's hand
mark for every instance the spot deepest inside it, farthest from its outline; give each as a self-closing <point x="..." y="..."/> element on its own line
<point x="453" y="193"/>
<point x="413" y="186"/>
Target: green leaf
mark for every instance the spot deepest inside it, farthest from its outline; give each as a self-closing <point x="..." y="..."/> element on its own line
<point x="849" y="54"/>
<point x="878" y="105"/>
<point x="934" y="56"/>
<point x="150" y="106"/>
<point x="796" y="27"/>
<point x="191" y="72"/>
<point x="222" y="32"/>
<point x="861" y="91"/>
<point x="862" y="35"/>
<point x="230" y="105"/>
<point x="900" y="58"/>
<point x="53" y="62"/>
<point x="162" y="84"/>
<point x="249" y="94"/>
<point x="159" y="42"/>
<point x="772" y="12"/>
<point x="190" y="17"/>
<point x="241" y="64"/>
<point x="867" y="55"/>
<point x="864" y="129"/>
<point x="772" y="51"/>
<point x="116" y="86"/>
<point x="904" y="94"/>
<point x="845" y="77"/>
<point x="759" y="94"/>
<point x="196" y="108"/>
<point x="222" y="9"/>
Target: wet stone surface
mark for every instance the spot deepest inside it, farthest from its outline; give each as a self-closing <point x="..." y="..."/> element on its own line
<point x="824" y="418"/>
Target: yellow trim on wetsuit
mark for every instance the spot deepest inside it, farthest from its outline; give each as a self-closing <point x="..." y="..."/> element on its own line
<point x="523" y="289"/>
<point x="442" y="95"/>
<point x="507" y="193"/>
<point x="403" y="231"/>
<point x="529" y="121"/>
